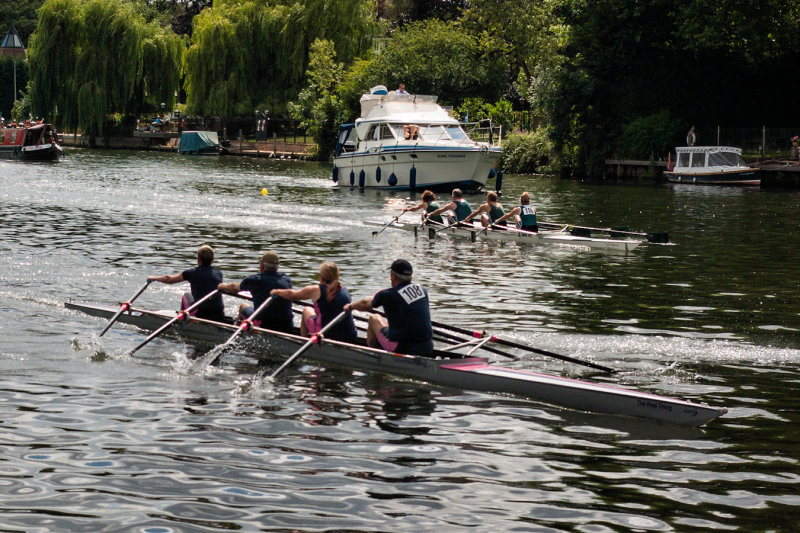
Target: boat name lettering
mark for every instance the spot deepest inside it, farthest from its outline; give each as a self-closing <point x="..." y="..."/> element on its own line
<point x="654" y="405"/>
<point x="411" y="293"/>
<point x="450" y="156"/>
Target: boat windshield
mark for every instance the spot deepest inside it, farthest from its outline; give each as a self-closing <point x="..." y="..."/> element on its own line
<point x="456" y="133"/>
<point x="725" y="159"/>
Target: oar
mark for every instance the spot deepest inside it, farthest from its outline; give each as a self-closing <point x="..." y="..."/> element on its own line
<point x="524" y="347"/>
<point x="182" y="314"/>
<point x="657" y="237"/>
<point x="315" y="338"/>
<point x="124" y="306"/>
<point x="246" y="324"/>
<point x="376" y="232"/>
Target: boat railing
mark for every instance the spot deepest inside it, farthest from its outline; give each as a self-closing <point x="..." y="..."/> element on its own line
<point x="484" y="132"/>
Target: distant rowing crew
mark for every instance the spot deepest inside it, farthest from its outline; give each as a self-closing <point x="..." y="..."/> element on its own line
<point x="405" y="326"/>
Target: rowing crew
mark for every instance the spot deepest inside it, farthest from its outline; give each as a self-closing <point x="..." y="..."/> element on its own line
<point x="491" y="212"/>
<point x="406" y="327"/>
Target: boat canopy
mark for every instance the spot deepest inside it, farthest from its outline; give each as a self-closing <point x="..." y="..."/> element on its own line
<point x="718" y="156"/>
<point x="198" y="141"/>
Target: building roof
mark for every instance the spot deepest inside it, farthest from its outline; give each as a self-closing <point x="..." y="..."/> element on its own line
<point x="11" y="45"/>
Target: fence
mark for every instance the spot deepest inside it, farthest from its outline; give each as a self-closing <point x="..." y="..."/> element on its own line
<point x="765" y="140"/>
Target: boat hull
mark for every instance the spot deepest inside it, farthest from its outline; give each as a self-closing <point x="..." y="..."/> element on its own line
<point x="420" y="168"/>
<point x="738" y="177"/>
<point x="527" y="237"/>
<point x="452" y="370"/>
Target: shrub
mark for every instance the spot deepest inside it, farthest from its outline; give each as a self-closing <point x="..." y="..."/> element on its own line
<point x="527" y="152"/>
<point x="648" y="137"/>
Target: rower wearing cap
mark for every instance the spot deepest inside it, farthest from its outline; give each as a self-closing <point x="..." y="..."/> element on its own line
<point x="278" y="315"/>
<point x="524" y="214"/>
<point x="490" y="212"/>
<point x="407" y="326"/>
<point x="458" y="206"/>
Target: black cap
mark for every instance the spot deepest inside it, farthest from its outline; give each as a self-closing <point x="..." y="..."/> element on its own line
<point x="401" y="266"/>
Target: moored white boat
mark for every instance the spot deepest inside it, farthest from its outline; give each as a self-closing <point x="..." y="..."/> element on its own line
<point x="711" y="165"/>
<point x="443" y="368"/>
<point x="475" y="231"/>
<point x="410" y="142"/>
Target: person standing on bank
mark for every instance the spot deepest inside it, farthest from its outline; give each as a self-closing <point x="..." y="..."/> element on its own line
<point x="691" y="137"/>
<point x="329" y="297"/>
<point x="524" y="214"/>
<point x="278" y="315"/>
<point x="407" y="327"/>
<point x="202" y="279"/>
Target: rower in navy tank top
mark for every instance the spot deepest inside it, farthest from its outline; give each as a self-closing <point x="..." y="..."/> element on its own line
<point x="524" y="215"/>
<point x="458" y="206"/>
<point x="329" y="298"/>
<point x="407" y="326"/>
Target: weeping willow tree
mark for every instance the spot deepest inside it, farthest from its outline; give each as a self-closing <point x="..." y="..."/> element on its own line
<point x="248" y="55"/>
<point x="89" y="59"/>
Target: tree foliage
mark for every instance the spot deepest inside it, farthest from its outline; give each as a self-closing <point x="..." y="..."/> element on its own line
<point x="22" y="13"/>
<point x="90" y="59"/>
<point x="248" y="55"/>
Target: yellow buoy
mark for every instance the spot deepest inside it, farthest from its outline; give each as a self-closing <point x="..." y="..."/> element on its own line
<point x="264" y="192"/>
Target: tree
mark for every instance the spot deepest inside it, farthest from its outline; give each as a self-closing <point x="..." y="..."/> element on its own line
<point x="23" y="14"/>
<point x="89" y="59"/>
<point x="248" y="54"/>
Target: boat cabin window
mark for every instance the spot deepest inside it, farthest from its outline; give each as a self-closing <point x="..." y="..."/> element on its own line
<point x="725" y="159"/>
<point x="378" y="132"/>
<point x="434" y="132"/>
<point x="13" y="136"/>
<point x="698" y="160"/>
<point x="456" y="133"/>
<point x="683" y="159"/>
<point x="2" y="137"/>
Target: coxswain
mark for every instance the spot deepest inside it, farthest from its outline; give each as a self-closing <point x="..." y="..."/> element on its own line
<point x="277" y="316"/>
<point x="329" y="297"/>
<point x="458" y="206"/>
<point x="524" y="214"/>
<point x="490" y="211"/>
<point x="202" y="279"/>
<point x="406" y="327"/>
<point x="429" y="204"/>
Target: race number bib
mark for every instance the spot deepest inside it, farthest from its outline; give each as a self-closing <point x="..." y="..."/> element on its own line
<point x="411" y="293"/>
<point x="527" y="210"/>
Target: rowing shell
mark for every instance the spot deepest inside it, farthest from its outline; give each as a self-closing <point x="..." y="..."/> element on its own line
<point x="443" y="368"/>
<point x="516" y="235"/>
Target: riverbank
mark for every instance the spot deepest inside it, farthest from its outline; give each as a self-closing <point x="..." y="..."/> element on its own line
<point x="168" y="142"/>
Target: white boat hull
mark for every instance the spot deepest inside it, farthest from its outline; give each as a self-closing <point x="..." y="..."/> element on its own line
<point x="542" y="237"/>
<point x="454" y="370"/>
<point x="416" y="168"/>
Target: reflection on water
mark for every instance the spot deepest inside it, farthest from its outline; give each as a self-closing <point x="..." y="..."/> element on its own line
<point x="96" y="440"/>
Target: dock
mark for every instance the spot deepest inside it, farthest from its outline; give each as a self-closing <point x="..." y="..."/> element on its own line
<point x="783" y="173"/>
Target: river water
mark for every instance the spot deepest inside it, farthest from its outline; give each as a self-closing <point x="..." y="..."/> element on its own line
<point x="95" y="440"/>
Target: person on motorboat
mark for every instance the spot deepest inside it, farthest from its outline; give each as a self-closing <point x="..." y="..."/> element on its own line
<point x="524" y="214"/>
<point x="202" y="279"/>
<point x="401" y="90"/>
<point x="490" y="211"/>
<point x="329" y="297"/>
<point x="277" y="316"/>
<point x="458" y="206"/>
<point x="406" y="327"/>
<point x="429" y="204"/>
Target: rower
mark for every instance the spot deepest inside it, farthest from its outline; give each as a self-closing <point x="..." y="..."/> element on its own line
<point x="458" y="206"/>
<point x="202" y="280"/>
<point x="524" y="214"/>
<point x="278" y="315"/>
<point x="407" y="326"/>
<point x="429" y="204"/>
<point x="329" y="297"/>
<point x="490" y="211"/>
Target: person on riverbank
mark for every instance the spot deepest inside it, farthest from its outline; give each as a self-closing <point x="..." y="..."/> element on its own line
<point x="429" y="204"/>
<point x="458" y="206"/>
<point x="329" y="298"/>
<point x="524" y="214"/>
<point x="406" y="327"/>
<point x="277" y="315"/>
<point x="490" y="211"/>
<point x="202" y="279"/>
